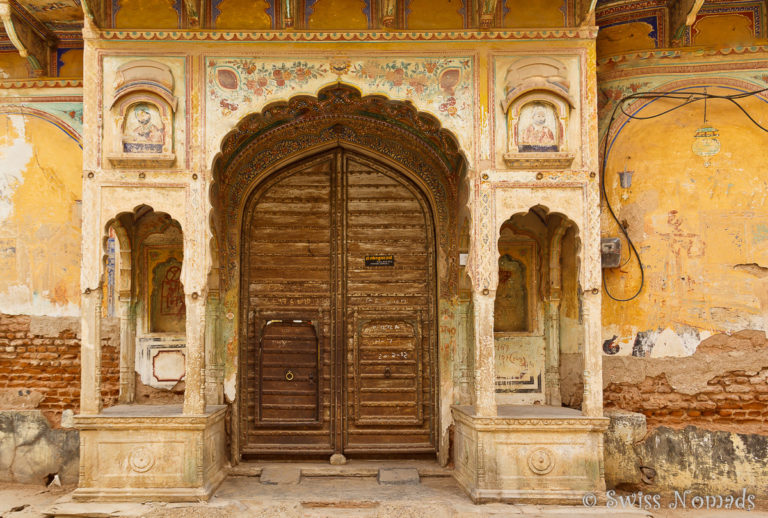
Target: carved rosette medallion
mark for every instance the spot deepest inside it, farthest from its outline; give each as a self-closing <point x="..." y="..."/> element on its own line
<point x="541" y="461"/>
<point x="141" y="460"/>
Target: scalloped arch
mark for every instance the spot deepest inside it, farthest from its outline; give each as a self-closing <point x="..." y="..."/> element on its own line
<point x="394" y="131"/>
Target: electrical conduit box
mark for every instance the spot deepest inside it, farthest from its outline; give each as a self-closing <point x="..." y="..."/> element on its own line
<point x="610" y="252"/>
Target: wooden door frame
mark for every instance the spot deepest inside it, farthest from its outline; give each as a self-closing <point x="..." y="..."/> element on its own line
<point x="339" y="368"/>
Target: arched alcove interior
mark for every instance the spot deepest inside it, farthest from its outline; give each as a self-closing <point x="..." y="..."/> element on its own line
<point x="143" y="261"/>
<point x="538" y="326"/>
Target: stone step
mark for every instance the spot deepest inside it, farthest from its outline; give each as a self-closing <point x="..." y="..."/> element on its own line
<point x="351" y="469"/>
<point x="350" y="509"/>
<point x="280" y="474"/>
<point x="398" y="476"/>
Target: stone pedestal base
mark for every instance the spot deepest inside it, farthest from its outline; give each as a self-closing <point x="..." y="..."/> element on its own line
<point x="529" y="454"/>
<point x="143" y="452"/>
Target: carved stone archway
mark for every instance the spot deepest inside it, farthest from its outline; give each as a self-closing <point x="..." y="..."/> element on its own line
<point x="339" y="116"/>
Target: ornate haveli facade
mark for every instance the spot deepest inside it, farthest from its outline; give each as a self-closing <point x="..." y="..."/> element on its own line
<point x="528" y="240"/>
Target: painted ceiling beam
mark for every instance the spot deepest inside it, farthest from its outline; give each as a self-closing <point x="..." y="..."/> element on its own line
<point x="682" y="14"/>
<point x="30" y="20"/>
<point x="32" y="43"/>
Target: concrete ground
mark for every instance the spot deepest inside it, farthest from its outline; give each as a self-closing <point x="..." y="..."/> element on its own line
<point x="317" y="491"/>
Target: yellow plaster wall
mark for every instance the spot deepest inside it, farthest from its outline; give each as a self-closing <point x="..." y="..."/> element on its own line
<point x="243" y="15"/>
<point x="702" y="231"/>
<point x="542" y="13"/>
<point x="722" y="30"/>
<point x="72" y="63"/>
<point x="625" y="37"/>
<point x="146" y="14"/>
<point x="39" y="217"/>
<point x="13" y="66"/>
<point x="338" y="14"/>
<point x="435" y="14"/>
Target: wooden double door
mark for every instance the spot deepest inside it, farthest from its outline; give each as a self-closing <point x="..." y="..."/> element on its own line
<point x="338" y="286"/>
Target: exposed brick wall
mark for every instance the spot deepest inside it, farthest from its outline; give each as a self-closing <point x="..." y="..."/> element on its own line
<point x="736" y="400"/>
<point x="727" y="386"/>
<point x="51" y="365"/>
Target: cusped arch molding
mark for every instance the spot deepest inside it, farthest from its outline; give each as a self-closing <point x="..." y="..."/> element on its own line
<point x="282" y="132"/>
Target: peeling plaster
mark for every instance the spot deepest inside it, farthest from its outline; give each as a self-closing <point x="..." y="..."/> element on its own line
<point x="753" y="269"/>
<point x="14" y="157"/>
<point x="21" y="300"/>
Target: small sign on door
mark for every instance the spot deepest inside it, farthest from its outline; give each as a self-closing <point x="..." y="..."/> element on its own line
<point x="379" y="260"/>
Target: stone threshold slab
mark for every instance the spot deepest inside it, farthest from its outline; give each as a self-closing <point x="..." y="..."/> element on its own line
<point x="351" y="469"/>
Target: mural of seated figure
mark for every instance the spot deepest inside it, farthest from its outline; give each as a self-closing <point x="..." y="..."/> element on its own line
<point x="537" y="129"/>
<point x="144" y="132"/>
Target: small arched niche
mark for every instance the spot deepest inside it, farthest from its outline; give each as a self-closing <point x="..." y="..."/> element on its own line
<point x="148" y="257"/>
<point x="142" y="111"/>
<point x="538" y="105"/>
<point x="538" y="327"/>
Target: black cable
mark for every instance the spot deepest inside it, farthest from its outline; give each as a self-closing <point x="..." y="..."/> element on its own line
<point x="687" y="98"/>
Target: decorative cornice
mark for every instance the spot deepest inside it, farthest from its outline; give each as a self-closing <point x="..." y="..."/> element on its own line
<point x="40" y="83"/>
<point x="680" y="53"/>
<point x="501" y="424"/>
<point x="364" y="36"/>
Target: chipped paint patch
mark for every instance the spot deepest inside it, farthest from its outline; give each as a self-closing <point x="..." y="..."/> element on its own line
<point x="15" y="155"/>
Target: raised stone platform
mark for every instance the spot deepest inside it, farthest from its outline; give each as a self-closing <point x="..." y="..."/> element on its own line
<point x="151" y="452"/>
<point x="529" y="454"/>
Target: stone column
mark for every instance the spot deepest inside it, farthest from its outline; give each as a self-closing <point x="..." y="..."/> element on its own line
<point x="593" y="374"/>
<point x="194" y="394"/>
<point x="214" y="372"/>
<point x="484" y="394"/>
<point x="552" y="369"/>
<point x="466" y="359"/>
<point x="90" y="352"/>
<point x="483" y="269"/>
<point x="127" y="352"/>
<point x="92" y="233"/>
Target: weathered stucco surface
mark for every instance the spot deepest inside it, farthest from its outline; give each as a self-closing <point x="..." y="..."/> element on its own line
<point x="697" y="222"/>
<point x="40" y="191"/>
<point x="30" y="450"/>
<point x="693" y="459"/>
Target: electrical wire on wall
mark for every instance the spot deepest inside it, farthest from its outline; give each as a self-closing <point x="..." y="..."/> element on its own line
<point x="686" y="98"/>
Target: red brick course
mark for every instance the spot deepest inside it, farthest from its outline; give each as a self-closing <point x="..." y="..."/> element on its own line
<point x="735" y="401"/>
<point x="51" y="365"/>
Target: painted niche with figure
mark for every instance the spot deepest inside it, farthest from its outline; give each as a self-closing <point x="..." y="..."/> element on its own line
<point x="142" y="107"/>
<point x="167" y="310"/>
<point x="144" y="131"/>
<point x="510" y="312"/>
<point x="538" y="129"/>
<point x="538" y="106"/>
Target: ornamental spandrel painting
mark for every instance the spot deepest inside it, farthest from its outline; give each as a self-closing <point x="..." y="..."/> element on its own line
<point x="144" y="131"/>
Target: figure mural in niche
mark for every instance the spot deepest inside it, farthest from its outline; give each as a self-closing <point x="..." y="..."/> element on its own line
<point x="537" y="129"/>
<point x="167" y="309"/>
<point x="144" y="131"/>
<point x="510" y="311"/>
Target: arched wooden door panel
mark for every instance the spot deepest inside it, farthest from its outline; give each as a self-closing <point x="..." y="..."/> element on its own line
<point x="338" y="280"/>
